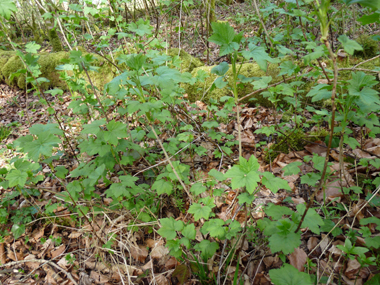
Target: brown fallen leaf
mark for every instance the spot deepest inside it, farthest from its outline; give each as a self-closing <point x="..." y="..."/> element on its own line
<point x="98" y="277"/>
<point x="161" y="280"/>
<point x="75" y="235"/>
<point x="159" y="252"/>
<point x="85" y="279"/>
<point x="312" y="243"/>
<point x="32" y="265"/>
<point x="151" y="243"/>
<point x="3" y="258"/>
<point x="319" y="147"/>
<point x="171" y="263"/>
<point x="332" y="191"/>
<point x="64" y="263"/>
<point x="57" y="251"/>
<point x="352" y="269"/>
<point x="298" y="259"/>
<point x="139" y="253"/>
<point x="147" y="266"/>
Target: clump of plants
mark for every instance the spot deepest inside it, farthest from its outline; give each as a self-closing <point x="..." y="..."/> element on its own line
<point x="4" y="132"/>
<point x="370" y="47"/>
<point x="287" y="141"/>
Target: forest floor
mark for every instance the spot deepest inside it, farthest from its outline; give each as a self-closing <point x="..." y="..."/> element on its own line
<point x="59" y="250"/>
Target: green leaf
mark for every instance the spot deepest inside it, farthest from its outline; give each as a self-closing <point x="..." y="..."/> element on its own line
<point x="289" y="275"/>
<point x="277" y="211"/>
<point x="207" y="201"/>
<point x="274" y="183"/>
<point x="169" y="228"/>
<point x="318" y="162"/>
<point x="369" y="19"/>
<point x="375" y="280"/>
<point x="32" y="47"/>
<point x="292" y="168"/>
<point x="95" y="175"/>
<point x="373" y="4"/>
<point x="359" y="251"/>
<point x="233" y="229"/>
<point x="206" y="248"/>
<point x="215" y="228"/>
<point x="259" y="55"/>
<point x="74" y="188"/>
<point x="285" y="242"/>
<point x="223" y="33"/>
<point x="318" y="52"/>
<point x="349" y="45"/>
<point x="189" y="231"/>
<point x="246" y="198"/>
<point x="162" y="187"/>
<point x="17" y="230"/>
<point x="220" y="83"/>
<point x="41" y="146"/>
<point x="200" y="211"/>
<point x="262" y="83"/>
<point x="115" y="130"/>
<point x="310" y="179"/>
<point x="372" y="242"/>
<point x="352" y="142"/>
<point x="6" y="8"/>
<point x="288" y="68"/>
<point x="94" y="127"/>
<point x="320" y="92"/>
<point x="328" y="226"/>
<point x="210" y="124"/>
<point x="61" y="172"/>
<point x="198" y="188"/>
<point x="182" y="273"/>
<point x="16" y="177"/>
<point x="141" y="27"/>
<point x="245" y="174"/>
<point x="216" y="174"/>
<point x="312" y="220"/>
<point x="371" y="220"/>
<point x="220" y="69"/>
<point x="136" y="61"/>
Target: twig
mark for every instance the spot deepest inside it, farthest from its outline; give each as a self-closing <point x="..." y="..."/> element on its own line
<point x="221" y="262"/>
<point x="321" y="185"/>
<point x="368" y="60"/>
<point x="358" y="69"/>
<point x="171" y="164"/>
<point x="262" y="23"/>
<point x="41" y="261"/>
<point x="262" y="89"/>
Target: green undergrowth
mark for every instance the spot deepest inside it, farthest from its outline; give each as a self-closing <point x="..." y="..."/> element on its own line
<point x="139" y="149"/>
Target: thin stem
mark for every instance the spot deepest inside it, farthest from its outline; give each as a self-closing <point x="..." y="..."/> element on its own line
<point x="321" y="185"/>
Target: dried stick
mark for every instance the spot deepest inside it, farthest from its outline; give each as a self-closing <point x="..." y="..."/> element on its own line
<point x="41" y="261"/>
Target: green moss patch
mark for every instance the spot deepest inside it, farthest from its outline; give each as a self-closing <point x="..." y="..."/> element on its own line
<point x="48" y="63"/>
<point x="188" y="62"/>
<point x="200" y="90"/>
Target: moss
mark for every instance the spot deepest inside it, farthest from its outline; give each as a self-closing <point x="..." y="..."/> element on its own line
<point x="196" y="91"/>
<point x="55" y="41"/>
<point x="188" y="62"/>
<point x="319" y="134"/>
<point x="293" y="140"/>
<point x="48" y="63"/>
<point x="4" y="57"/>
<point x="370" y="47"/>
<point x="13" y="64"/>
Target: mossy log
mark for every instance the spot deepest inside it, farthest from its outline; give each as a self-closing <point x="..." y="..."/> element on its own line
<point x="200" y="90"/>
